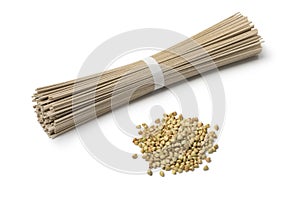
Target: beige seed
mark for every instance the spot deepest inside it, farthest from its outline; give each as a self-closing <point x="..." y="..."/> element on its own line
<point x="205" y="168"/>
<point x="149" y="172"/>
<point x="216" y="146"/>
<point x="166" y="138"/>
<point x="144" y="125"/>
<point x="213" y="149"/>
<point x="135" y="156"/>
<point x="210" y="151"/>
<point x="180" y="117"/>
<point x="157" y="121"/>
<point x="208" y="159"/>
<point x="216" y="127"/>
<point x="138" y="126"/>
<point x="136" y="142"/>
<point x="200" y="124"/>
<point x="161" y="173"/>
<point x="186" y="168"/>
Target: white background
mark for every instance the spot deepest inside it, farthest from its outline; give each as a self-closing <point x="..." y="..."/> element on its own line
<point x="44" y="43"/>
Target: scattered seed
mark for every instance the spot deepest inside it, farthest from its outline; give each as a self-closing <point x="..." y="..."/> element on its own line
<point x="135" y="156"/>
<point x="161" y="173"/>
<point x="213" y="149"/>
<point x="138" y="127"/>
<point x="149" y="172"/>
<point x="216" y="127"/>
<point x="144" y="125"/>
<point x="205" y="168"/>
<point x="208" y="159"/>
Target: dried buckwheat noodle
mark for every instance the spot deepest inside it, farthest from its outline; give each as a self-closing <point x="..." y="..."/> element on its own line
<point x="61" y="107"/>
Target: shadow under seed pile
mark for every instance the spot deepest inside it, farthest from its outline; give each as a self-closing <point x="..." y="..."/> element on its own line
<point x="176" y="144"/>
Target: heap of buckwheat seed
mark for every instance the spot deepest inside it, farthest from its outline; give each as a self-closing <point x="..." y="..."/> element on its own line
<point x="176" y="144"/>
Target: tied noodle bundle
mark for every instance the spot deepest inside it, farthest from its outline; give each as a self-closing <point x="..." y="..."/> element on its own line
<point x="63" y="106"/>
